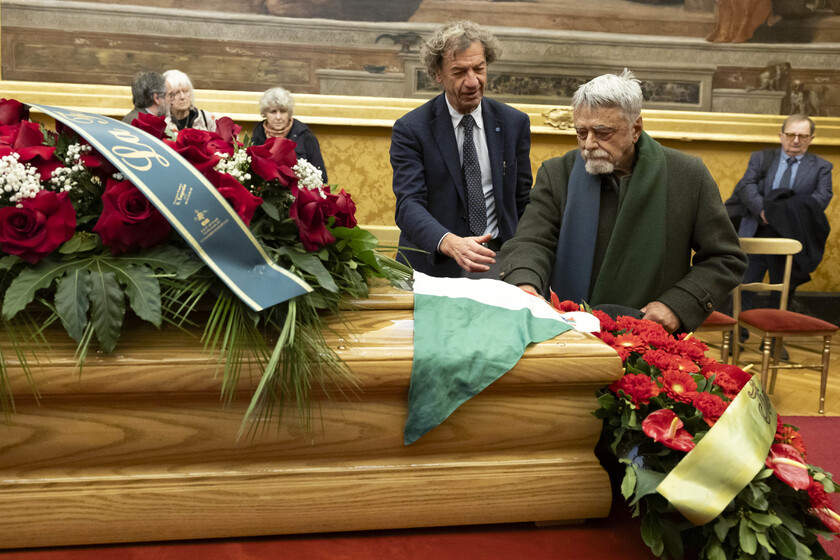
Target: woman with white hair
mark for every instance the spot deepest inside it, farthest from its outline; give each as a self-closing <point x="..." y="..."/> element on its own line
<point x="276" y="107"/>
<point x="182" y="110"/>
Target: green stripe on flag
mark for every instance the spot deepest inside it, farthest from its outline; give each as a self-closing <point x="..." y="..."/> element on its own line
<point x="463" y="344"/>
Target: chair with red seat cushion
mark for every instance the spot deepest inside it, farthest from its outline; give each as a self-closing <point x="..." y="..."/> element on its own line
<point x="776" y="324"/>
<point x="724" y="324"/>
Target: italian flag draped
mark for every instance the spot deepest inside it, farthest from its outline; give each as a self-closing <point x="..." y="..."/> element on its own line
<point x="467" y="334"/>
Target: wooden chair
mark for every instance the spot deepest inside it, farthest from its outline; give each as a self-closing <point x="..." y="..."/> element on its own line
<point x="776" y="324"/>
<point x="724" y="324"/>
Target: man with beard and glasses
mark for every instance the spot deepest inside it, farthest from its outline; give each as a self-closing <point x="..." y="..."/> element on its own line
<point x="615" y="222"/>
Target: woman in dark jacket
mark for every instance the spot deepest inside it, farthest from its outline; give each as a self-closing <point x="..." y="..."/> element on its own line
<point x="276" y="107"/>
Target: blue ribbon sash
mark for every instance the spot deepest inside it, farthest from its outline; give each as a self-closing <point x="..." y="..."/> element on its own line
<point x="191" y="204"/>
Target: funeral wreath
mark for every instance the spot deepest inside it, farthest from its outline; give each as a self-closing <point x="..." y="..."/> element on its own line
<point x="667" y="401"/>
<point x="81" y="246"/>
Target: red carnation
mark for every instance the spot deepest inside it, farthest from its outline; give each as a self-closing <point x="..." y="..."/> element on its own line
<point x="660" y="359"/>
<point x="730" y="378"/>
<point x="12" y="111"/>
<point x="679" y="385"/>
<point x="639" y="387"/>
<point x="129" y="220"/>
<point x="606" y="336"/>
<point x="665" y="427"/>
<point x="563" y="306"/>
<point x="711" y="406"/>
<point x="39" y="227"/>
<point x="310" y="211"/>
<point x="607" y="322"/>
<point x="691" y="347"/>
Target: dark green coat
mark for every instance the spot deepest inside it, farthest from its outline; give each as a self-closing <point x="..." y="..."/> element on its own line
<point x="696" y="220"/>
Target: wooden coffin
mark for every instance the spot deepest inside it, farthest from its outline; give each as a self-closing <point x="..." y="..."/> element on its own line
<point x="140" y="447"/>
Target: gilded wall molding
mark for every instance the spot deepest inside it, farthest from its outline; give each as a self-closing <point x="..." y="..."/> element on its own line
<point x="339" y="110"/>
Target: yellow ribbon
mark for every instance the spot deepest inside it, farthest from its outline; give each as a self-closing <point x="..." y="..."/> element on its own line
<point x="726" y="459"/>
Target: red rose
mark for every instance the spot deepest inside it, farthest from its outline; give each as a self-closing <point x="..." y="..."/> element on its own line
<point x="343" y="208"/>
<point x="274" y="160"/>
<point x="129" y="220"/>
<point x="12" y="111"/>
<point x="208" y="142"/>
<point x="228" y="130"/>
<point x="153" y="124"/>
<point x="310" y="211"/>
<point x="27" y="140"/>
<point x="639" y="387"/>
<point x="39" y="227"/>
<point x="241" y="200"/>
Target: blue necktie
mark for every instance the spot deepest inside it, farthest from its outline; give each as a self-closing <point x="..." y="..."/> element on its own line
<point x="472" y="180"/>
<point x="785" y="182"/>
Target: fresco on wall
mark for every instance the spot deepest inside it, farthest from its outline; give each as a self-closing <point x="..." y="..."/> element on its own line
<point x="782" y="57"/>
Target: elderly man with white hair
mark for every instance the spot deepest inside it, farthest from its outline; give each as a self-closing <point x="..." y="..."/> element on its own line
<point x="182" y="109"/>
<point x="277" y="107"/>
<point x="614" y="223"/>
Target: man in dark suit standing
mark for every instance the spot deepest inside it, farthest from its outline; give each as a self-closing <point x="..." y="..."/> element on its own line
<point x="462" y="173"/>
<point x="803" y="178"/>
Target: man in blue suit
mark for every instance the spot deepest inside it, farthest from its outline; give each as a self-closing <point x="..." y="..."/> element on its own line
<point x="805" y="180"/>
<point x="462" y="173"/>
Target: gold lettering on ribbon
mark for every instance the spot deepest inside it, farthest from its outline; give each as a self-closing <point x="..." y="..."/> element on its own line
<point x="765" y="408"/>
<point x="138" y="156"/>
<point x="83" y="118"/>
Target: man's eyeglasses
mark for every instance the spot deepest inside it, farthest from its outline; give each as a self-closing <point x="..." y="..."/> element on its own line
<point x="801" y="137"/>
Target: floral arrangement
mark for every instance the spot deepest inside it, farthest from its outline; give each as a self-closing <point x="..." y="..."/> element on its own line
<point x="82" y="246"/>
<point x="669" y="397"/>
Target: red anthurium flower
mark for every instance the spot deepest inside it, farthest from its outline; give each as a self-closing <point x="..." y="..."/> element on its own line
<point x="789" y="466"/>
<point x="665" y="427"/>
<point x="790" y="436"/>
<point x="822" y="507"/>
<point x="638" y="387"/>
<point x="731" y="379"/>
<point x="679" y="385"/>
<point x="711" y="406"/>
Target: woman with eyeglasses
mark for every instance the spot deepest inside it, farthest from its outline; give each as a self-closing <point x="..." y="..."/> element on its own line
<point x="276" y="108"/>
<point x="182" y="110"/>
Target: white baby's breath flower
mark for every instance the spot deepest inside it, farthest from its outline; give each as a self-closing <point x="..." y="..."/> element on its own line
<point x="308" y="175"/>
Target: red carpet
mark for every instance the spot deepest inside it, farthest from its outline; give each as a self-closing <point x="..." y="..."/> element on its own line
<point x="615" y="537"/>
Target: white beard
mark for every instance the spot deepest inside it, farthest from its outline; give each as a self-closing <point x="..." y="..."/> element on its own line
<point x="597" y="166"/>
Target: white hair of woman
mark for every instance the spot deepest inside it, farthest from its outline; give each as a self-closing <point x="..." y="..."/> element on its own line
<point x="612" y="91"/>
<point x="177" y="80"/>
<point x="276" y="98"/>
